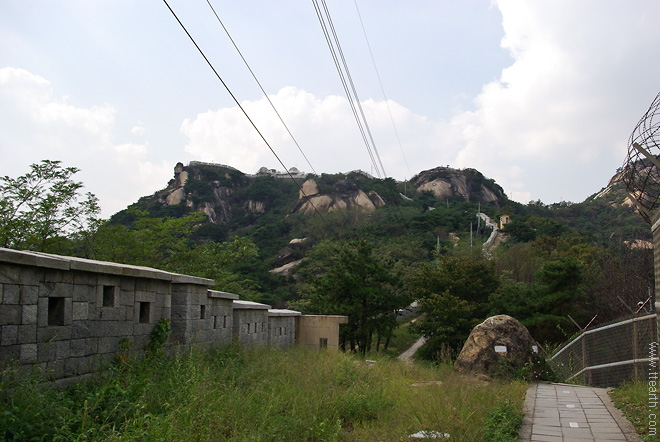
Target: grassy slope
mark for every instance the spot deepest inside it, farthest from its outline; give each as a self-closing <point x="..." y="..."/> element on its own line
<point x="633" y="400"/>
<point x="235" y="394"/>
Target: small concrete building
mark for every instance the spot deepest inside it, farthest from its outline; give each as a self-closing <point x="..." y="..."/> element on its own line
<point x="317" y="331"/>
<point x="504" y="220"/>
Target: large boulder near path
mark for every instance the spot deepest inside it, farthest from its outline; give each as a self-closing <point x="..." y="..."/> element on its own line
<point x="500" y="341"/>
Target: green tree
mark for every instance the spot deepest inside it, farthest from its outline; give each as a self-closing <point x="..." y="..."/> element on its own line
<point x="452" y="294"/>
<point x="44" y="208"/>
<point x="355" y="283"/>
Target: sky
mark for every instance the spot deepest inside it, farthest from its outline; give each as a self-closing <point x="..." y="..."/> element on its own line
<point x="539" y="95"/>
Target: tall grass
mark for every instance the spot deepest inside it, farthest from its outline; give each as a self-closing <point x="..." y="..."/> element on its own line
<point x="633" y="399"/>
<point x="237" y="394"/>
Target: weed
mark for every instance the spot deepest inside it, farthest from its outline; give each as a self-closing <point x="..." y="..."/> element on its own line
<point x="503" y="422"/>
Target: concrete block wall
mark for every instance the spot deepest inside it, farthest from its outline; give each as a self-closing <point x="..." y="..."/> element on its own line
<point x="69" y="316"/>
<point x="282" y="328"/>
<point x="250" y="322"/>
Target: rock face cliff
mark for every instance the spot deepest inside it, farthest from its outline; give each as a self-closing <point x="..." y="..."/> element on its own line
<point x="344" y="196"/>
<point x="445" y="182"/>
<point x="225" y="194"/>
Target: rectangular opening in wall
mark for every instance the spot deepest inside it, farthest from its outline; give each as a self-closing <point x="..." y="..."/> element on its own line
<point x="108" y="296"/>
<point x="202" y="312"/>
<point x="145" y="308"/>
<point x="323" y="342"/>
<point x="55" y="311"/>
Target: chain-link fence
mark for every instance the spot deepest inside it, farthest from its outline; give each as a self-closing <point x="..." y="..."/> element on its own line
<point x="609" y="355"/>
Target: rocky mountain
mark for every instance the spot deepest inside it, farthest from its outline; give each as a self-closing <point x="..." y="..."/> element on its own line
<point x="227" y="195"/>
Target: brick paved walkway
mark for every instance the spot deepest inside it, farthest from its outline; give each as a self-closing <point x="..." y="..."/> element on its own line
<point x="560" y="412"/>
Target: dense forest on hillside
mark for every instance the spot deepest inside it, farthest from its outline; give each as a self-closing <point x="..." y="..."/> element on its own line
<point x="379" y="246"/>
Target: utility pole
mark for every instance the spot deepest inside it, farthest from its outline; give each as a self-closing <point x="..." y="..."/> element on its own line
<point x="470" y="235"/>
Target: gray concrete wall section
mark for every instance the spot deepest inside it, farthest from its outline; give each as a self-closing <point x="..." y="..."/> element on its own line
<point x="251" y="322"/>
<point x="282" y="328"/>
<point x="69" y="315"/>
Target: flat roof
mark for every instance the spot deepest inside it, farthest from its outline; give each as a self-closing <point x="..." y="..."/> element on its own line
<point x="58" y="262"/>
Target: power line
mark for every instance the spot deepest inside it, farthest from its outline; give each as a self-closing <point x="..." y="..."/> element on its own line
<point x="364" y="31"/>
<point x="261" y="87"/>
<point x="241" y="107"/>
<point x="346" y="79"/>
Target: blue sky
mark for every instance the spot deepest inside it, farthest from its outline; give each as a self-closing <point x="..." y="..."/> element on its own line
<point x="539" y="95"/>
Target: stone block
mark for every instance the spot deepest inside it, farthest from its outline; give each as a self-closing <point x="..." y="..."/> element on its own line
<point x="109" y="314"/>
<point x="80" y="311"/>
<point x="29" y="294"/>
<point x="31" y="275"/>
<point x="78" y="348"/>
<point x="166" y="300"/>
<point x="143" y="296"/>
<point x="9" y="335"/>
<point x="62" y="349"/>
<point x="55" y="369"/>
<point x="55" y="289"/>
<point x="83" y="329"/>
<point x="29" y="315"/>
<point x="10" y="353"/>
<point x="28" y="353"/>
<point x="53" y="333"/>
<point x="42" y="312"/>
<point x="82" y="292"/>
<point x="108" y="345"/>
<point x="85" y="278"/>
<point x="10" y="314"/>
<point x="116" y="328"/>
<point x="92" y="346"/>
<point x="64" y="276"/>
<point x="47" y="351"/>
<point x="11" y="294"/>
<point x="126" y="297"/>
<point x="71" y="367"/>
<point x="127" y="284"/>
<point x="27" y="334"/>
<point x="9" y="274"/>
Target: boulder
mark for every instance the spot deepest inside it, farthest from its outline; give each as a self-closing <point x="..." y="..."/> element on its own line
<point x="500" y="341"/>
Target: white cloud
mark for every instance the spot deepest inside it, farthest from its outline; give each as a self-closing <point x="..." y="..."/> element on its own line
<point x="37" y="126"/>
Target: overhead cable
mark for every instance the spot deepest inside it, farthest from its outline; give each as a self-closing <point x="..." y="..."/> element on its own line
<point x="364" y="31"/>
<point x="323" y="15"/>
<point x="241" y="107"/>
<point x="260" y="87"/>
